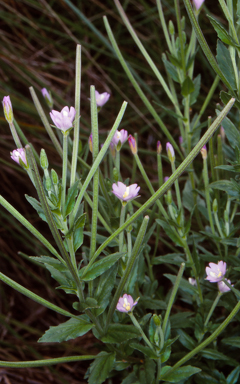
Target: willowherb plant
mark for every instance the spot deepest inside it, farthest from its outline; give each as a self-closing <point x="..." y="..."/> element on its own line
<point x="114" y="276"/>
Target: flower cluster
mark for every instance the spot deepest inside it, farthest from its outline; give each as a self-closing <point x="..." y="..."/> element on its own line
<point x="215" y="274"/>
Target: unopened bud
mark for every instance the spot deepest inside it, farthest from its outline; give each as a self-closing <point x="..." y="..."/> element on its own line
<point x="171" y="28"/>
<point x="215" y="205"/>
<point x="48" y="183"/>
<point x="48" y="97"/>
<point x="54" y="176"/>
<point x="170" y="152"/>
<point x="159" y="148"/>
<point x="132" y="144"/>
<point x="7" y="109"/>
<point x="157" y="320"/>
<point x="222" y="133"/>
<point x="204" y="152"/>
<point x="90" y="143"/>
<point x="43" y="159"/>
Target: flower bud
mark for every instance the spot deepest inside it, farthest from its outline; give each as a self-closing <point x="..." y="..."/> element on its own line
<point x="159" y="148"/>
<point x="7" y="109"/>
<point x="19" y="155"/>
<point x="198" y="3"/>
<point x="170" y="152"/>
<point x="132" y="144"/>
<point x="43" y="159"/>
<point x="204" y="152"/>
<point x="54" y="177"/>
<point x="222" y="133"/>
<point x="171" y="28"/>
<point x="90" y="143"/>
<point x="215" y="205"/>
<point x="48" y="97"/>
<point x="157" y="320"/>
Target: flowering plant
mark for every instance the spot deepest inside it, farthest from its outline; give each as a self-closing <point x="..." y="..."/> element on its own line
<point x="134" y="272"/>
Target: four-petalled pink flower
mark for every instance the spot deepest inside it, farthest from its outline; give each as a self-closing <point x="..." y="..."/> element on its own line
<point x="101" y="98"/>
<point x="119" y="136"/>
<point x="126" y="303"/>
<point x="64" y="119"/>
<point x="19" y="153"/>
<point x="216" y="272"/>
<point x="123" y="192"/>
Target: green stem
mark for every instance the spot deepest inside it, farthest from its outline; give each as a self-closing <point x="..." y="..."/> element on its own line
<point x="207" y="195"/>
<point x="30" y="227"/>
<point x="64" y="171"/>
<point x="15" y="135"/>
<point x="43" y="363"/>
<point x="121" y="236"/>
<point x="214" y="304"/>
<point x="137" y="325"/>
<point x="77" y="116"/>
<point x="164" y="188"/>
<point x="164" y="26"/>
<point x="172" y="297"/>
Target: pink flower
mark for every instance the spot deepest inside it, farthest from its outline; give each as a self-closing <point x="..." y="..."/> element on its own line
<point x="192" y="281"/>
<point x="64" y="119"/>
<point x="7" y="109"/>
<point x="170" y="152"/>
<point x="216" y="272"/>
<point x="125" y="193"/>
<point x="101" y="98"/>
<point x="132" y="143"/>
<point x="119" y="136"/>
<point x="126" y="303"/>
<point x="222" y="287"/>
<point x="19" y="153"/>
<point x="198" y="3"/>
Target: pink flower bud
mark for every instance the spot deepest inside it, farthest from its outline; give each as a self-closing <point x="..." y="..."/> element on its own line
<point x="48" y="97"/>
<point x="132" y="144"/>
<point x="159" y="147"/>
<point x="204" y="152"/>
<point x="198" y="3"/>
<point x="90" y="143"/>
<point x="7" y="109"/>
<point x="170" y="152"/>
<point x="222" y="287"/>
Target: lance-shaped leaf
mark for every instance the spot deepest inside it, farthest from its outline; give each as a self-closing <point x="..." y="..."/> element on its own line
<point x="100" y="266"/>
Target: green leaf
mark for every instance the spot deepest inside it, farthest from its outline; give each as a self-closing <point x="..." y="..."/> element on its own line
<point x="170" y="69"/>
<point x="227" y="186"/>
<point x="100" y="266"/>
<point x="232" y="133"/>
<point x="225" y="97"/>
<point x="104" y="288"/>
<point x="66" y="331"/>
<point x="225" y="64"/>
<point x="77" y="238"/>
<point x="118" y="333"/>
<point x="101" y="367"/>
<point x="195" y="93"/>
<point x="70" y="199"/>
<point x="171" y="233"/>
<point x="147" y="374"/>
<point x="184" y="284"/>
<point x="130" y="379"/>
<point x="179" y="374"/>
<point x="212" y="354"/>
<point x="171" y="258"/>
<point x="187" y="87"/>
<point x="79" y="223"/>
<point x="148" y="302"/>
<point x="233" y="376"/>
<point x="180" y="320"/>
<point x="186" y="340"/>
<point x="233" y="341"/>
<point x="37" y="206"/>
<point x="222" y="33"/>
<point x="147" y="351"/>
